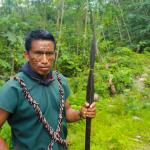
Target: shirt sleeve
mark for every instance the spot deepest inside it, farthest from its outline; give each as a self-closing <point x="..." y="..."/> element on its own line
<point x="9" y="96"/>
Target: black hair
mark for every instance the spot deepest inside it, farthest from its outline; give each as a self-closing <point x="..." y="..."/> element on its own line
<point x="38" y="34"/>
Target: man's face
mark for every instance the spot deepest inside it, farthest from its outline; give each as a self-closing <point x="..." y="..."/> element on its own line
<point x="41" y="56"/>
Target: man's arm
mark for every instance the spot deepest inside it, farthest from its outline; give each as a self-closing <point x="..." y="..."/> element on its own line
<point x="3" y="117"/>
<point x="85" y="111"/>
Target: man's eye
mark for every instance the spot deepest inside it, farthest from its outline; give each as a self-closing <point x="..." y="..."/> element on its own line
<point x="42" y="53"/>
<point x="39" y="53"/>
<point x="50" y="53"/>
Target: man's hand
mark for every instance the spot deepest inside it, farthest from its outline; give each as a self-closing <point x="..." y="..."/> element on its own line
<point x="88" y="110"/>
<point x="3" y="145"/>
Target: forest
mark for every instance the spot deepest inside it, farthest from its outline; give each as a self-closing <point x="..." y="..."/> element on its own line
<point x="122" y="63"/>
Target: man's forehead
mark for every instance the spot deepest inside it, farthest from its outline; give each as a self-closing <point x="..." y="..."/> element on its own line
<point x="42" y="44"/>
<point x="42" y="41"/>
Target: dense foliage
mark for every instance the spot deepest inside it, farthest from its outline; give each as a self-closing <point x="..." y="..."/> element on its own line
<point x="117" y="23"/>
<point x="122" y="75"/>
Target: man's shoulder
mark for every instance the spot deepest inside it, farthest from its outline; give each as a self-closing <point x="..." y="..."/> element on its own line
<point x="13" y="83"/>
<point x="56" y="72"/>
<point x="63" y="78"/>
<point x="21" y="75"/>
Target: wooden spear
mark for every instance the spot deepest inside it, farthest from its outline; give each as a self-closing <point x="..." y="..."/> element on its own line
<point x="90" y="85"/>
<point x="90" y="91"/>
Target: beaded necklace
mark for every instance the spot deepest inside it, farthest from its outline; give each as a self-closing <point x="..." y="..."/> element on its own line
<point x="55" y="135"/>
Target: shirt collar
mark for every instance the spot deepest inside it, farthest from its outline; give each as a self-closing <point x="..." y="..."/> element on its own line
<point x="35" y="76"/>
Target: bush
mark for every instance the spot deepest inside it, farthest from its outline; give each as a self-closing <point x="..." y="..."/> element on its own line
<point x="122" y="51"/>
<point x="69" y="66"/>
<point x="123" y="79"/>
<point x="147" y="49"/>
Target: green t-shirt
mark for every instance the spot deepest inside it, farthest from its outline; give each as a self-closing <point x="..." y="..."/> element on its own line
<point x="27" y="131"/>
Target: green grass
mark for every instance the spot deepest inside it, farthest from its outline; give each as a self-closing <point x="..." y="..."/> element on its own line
<point x="112" y="130"/>
<point x="5" y="132"/>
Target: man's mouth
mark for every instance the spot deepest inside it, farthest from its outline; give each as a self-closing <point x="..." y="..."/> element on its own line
<point x="44" y="68"/>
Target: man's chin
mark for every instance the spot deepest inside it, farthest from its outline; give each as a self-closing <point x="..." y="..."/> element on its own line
<point x="44" y="73"/>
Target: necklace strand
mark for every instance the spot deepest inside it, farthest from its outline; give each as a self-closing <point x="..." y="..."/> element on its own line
<point x="55" y="135"/>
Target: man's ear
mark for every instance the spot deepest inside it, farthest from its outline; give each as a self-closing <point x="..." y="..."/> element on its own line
<point x="26" y="55"/>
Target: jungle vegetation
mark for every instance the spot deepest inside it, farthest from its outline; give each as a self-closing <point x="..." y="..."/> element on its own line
<point x="122" y="67"/>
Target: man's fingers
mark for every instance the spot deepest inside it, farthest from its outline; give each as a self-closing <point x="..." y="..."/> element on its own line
<point x="89" y="110"/>
<point x="86" y="104"/>
<point x="90" y="115"/>
<point x="93" y="105"/>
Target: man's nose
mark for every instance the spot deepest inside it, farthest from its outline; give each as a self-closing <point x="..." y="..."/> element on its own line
<point x="44" y="59"/>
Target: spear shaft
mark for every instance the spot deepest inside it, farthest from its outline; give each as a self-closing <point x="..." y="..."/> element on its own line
<point x="90" y="92"/>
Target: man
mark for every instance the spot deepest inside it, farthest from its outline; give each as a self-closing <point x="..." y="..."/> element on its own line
<point x="35" y="102"/>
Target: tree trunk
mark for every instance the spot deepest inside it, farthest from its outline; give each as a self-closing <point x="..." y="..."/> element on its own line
<point x="59" y="25"/>
<point x="85" y="24"/>
<point x="12" y="62"/>
<point x="119" y="29"/>
<point x="122" y="16"/>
